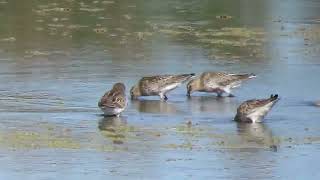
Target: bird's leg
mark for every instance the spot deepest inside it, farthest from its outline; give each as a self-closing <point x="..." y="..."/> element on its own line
<point x="228" y="91"/>
<point x="189" y="92"/>
<point x="163" y="97"/>
<point x="219" y="93"/>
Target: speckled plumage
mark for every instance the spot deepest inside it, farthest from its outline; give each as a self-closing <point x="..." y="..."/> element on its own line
<point x="113" y="102"/>
<point x="217" y="82"/>
<point x="255" y="110"/>
<point x="158" y="85"/>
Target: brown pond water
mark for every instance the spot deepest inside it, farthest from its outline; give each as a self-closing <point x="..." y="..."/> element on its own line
<point x="58" y="58"/>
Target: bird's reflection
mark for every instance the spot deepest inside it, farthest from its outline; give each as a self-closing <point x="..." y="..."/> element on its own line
<point x="155" y="106"/>
<point x="218" y="105"/>
<point x="114" y="128"/>
<point x="257" y="135"/>
<point x="111" y="122"/>
<point x="249" y="151"/>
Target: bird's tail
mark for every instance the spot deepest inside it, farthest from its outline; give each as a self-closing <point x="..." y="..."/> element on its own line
<point x="243" y="76"/>
<point x="189" y="75"/>
<point x="247" y="76"/>
<point x="274" y="97"/>
<point x="185" y="77"/>
<point x="251" y="75"/>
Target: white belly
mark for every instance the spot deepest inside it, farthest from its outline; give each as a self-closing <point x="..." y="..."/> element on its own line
<point x="259" y="113"/>
<point x="170" y="87"/>
<point x="111" y="111"/>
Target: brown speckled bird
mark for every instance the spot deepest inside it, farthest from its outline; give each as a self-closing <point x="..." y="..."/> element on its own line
<point x="114" y="101"/>
<point x="255" y="110"/>
<point x="217" y="82"/>
<point x="158" y="85"/>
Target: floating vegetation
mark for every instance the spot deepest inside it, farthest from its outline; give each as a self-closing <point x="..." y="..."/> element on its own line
<point x="55" y="19"/>
<point x="35" y="140"/>
<point x="100" y="30"/>
<point x="225" y="17"/>
<point x="309" y="36"/>
<point x="39" y="20"/>
<point x="76" y="26"/>
<point x="56" y="9"/>
<point x="116" y="130"/>
<point x="224" y="42"/>
<point x="188" y="129"/>
<point x="173" y="32"/>
<point x="55" y="25"/>
<point x="32" y="53"/>
<point x="9" y="39"/>
<point x="178" y="159"/>
<point x="116" y="135"/>
<point x="234" y="32"/>
<point x="127" y="17"/>
<point x="179" y="146"/>
<point x="170" y="29"/>
<point x="91" y="9"/>
<point x="64" y="19"/>
<point x="143" y="35"/>
<point x="37" y="53"/>
<point x="107" y="2"/>
<point x="39" y="28"/>
<point x="308" y="33"/>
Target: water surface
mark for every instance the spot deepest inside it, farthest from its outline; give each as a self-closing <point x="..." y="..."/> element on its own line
<point x="58" y="58"/>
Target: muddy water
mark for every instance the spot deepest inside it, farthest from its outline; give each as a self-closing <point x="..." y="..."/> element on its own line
<point x="57" y="59"/>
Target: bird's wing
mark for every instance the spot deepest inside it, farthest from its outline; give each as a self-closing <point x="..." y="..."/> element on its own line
<point x="113" y="98"/>
<point x="251" y="105"/>
<point x="162" y="81"/>
<point x="213" y="79"/>
<point x="232" y="79"/>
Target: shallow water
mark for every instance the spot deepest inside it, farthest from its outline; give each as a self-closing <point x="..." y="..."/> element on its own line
<point x="57" y="60"/>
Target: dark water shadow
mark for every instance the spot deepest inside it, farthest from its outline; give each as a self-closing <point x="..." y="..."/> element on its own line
<point x="217" y="105"/>
<point x="308" y="103"/>
<point x="254" y="149"/>
<point x="155" y="106"/>
<point x="257" y="135"/>
<point x="316" y="103"/>
<point x="114" y="129"/>
<point x="109" y="123"/>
